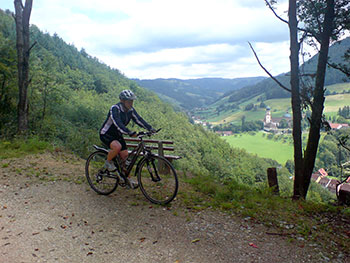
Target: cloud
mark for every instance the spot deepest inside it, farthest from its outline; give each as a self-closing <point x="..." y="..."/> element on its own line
<point x="207" y="61"/>
<point x="178" y="24"/>
<point x="167" y="38"/>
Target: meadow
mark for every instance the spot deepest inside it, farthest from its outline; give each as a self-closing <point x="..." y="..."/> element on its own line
<point x="280" y="150"/>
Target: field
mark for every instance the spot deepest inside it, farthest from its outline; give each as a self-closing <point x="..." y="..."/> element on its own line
<point x="259" y="144"/>
<point x="339" y="88"/>
<point x="278" y="107"/>
<point x="334" y="102"/>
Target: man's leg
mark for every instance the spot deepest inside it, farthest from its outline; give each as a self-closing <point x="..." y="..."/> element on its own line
<point x="115" y="148"/>
<point x="123" y="156"/>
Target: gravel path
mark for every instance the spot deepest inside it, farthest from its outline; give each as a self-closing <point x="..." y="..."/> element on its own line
<point x="51" y="220"/>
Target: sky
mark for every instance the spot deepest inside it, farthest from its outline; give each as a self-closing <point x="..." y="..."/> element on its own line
<point x="184" y="39"/>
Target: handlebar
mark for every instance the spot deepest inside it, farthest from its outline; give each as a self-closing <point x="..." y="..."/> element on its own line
<point x="149" y="133"/>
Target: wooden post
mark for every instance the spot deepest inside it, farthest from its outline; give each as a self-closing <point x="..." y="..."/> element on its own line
<point x="344" y="198"/>
<point x="160" y="149"/>
<point x="272" y="179"/>
<point x="161" y="167"/>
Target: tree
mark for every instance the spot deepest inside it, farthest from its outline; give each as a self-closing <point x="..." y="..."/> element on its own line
<point x="8" y="90"/>
<point x="22" y="17"/>
<point x="243" y="120"/>
<point x="323" y="21"/>
<point x="283" y="124"/>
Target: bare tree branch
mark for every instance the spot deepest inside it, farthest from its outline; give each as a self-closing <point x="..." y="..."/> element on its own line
<point x="267" y="72"/>
<point x="306" y="32"/>
<point x="31" y="47"/>
<point x="273" y="10"/>
<point x="338" y="67"/>
<point x="319" y="24"/>
<point x="344" y="145"/>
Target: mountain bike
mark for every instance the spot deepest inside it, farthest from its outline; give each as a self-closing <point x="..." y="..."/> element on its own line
<point x="156" y="176"/>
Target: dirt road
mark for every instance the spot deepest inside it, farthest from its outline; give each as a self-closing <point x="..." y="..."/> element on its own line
<point x="49" y="214"/>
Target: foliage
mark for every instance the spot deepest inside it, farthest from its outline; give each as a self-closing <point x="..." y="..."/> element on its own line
<point x="344" y="112"/>
<point x="331" y="154"/>
<point x="245" y="127"/>
<point x="22" y="146"/>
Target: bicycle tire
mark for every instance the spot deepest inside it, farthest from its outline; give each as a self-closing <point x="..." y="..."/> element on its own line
<point x="158" y="192"/>
<point x="99" y="179"/>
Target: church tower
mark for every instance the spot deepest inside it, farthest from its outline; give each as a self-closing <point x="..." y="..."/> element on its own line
<point x="268" y="115"/>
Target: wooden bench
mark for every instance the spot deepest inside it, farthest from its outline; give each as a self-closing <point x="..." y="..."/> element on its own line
<point x="132" y="143"/>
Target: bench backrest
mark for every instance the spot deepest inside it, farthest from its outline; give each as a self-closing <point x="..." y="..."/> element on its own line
<point x="159" y="146"/>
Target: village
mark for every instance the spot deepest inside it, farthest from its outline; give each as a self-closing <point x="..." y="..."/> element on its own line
<point x="271" y="124"/>
<point x="283" y="125"/>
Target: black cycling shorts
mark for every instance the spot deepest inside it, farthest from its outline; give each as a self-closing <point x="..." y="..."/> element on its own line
<point x="107" y="139"/>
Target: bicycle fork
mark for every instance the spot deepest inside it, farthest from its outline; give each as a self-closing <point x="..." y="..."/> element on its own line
<point x="154" y="173"/>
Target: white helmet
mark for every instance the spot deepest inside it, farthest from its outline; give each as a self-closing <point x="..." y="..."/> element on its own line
<point x="127" y="95"/>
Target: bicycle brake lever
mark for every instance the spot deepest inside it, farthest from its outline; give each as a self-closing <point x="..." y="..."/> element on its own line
<point x="141" y="133"/>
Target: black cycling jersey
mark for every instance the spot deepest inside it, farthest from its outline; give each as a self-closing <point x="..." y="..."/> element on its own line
<point x="117" y="120"/>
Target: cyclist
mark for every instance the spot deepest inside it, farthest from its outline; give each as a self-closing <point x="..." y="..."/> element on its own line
<point x="114" y="127"/>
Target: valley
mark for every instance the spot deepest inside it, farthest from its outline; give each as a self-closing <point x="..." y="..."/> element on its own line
<point x="221" y="112"/>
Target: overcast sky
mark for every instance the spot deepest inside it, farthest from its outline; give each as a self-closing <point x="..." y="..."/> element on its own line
<point x="184" y="39"/>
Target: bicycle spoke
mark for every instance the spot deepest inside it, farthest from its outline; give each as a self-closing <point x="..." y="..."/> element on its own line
<point x="99" y="178"/>
<point x="158" y="180"/>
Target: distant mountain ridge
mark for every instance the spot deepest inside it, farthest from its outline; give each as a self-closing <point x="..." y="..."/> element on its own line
<point x="269" y="89"/>
<point x="192" y="93"/>
<point x="232" y="106"/>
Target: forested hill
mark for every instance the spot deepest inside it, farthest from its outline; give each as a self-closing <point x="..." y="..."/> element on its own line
<point x="192" y="93"/>
<point x="71" y="92"/>
<point x="268" y="89"/>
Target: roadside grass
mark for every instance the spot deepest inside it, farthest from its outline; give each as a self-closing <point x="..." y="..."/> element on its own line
<point x="22" y="146"/>
<point x="305" y="222"/>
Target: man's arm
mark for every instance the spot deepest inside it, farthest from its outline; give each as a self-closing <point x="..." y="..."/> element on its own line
<point x="140" y="121"/>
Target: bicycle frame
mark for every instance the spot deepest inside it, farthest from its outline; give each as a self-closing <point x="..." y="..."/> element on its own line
<point x="141" y="148"/>
<point x="157" y="185"/>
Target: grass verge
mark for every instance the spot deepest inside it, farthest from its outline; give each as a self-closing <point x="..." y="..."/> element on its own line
<point x="326" y="225"/>
<point x="22" y="146"/>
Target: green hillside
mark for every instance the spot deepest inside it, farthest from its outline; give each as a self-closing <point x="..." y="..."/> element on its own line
<point x="71" y="92"/>
<point x="338" y="97"/>
<point x="194" y="93"/>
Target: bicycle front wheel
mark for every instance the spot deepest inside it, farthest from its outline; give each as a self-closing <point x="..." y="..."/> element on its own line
<point x="100" y="179"/>
<point x="157" y="180"/>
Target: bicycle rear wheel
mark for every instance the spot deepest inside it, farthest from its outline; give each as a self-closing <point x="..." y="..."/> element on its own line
<point x="99" y="178"/>
<point x="157" y="180"/>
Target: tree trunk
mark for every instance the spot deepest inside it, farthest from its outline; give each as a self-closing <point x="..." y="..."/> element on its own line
<point x="296" y="102"/>
<point x="318" y="102"/>
<point x="22" y="30"/>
